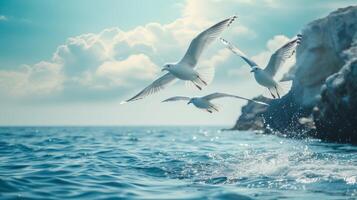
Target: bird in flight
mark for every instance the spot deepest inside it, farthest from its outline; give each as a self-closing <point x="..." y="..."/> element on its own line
<point x="186" y="69"/>
<point x="265" y="77"/>
<point x="205" y="101"/>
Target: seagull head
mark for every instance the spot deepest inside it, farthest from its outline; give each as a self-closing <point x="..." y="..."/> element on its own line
<point x="166" y="67"/>
<point x="254" y="69"/>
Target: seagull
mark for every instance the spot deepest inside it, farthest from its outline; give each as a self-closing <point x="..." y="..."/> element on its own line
<point x="265" y="77"/>
<point x="204" y="102"/>
<point x="185" y="69"/>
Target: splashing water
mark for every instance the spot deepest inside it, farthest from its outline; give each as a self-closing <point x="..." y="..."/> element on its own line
<point x="170" y="163"/>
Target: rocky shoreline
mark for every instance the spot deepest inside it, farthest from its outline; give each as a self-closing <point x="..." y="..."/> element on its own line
<point x="322" y="102"/>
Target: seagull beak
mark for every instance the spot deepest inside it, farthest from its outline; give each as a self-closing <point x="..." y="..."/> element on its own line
<point x="251" y="70"/>
<point x="164" y="69"/>
<point x="188" y="102"/>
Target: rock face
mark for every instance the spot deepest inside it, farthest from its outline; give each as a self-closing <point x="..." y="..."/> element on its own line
<point x="251" y="117"/>
<point x="321" y="52"/>
<point x="323" y="80"/>
<point x="335" y="115"/>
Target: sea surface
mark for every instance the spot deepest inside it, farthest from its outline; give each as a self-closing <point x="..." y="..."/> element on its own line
<point x="170" y="163"/>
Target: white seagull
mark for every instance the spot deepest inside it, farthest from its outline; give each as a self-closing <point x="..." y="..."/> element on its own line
<point x="185" y="69"/>
<point x="265" y="77"/>
<point x="204" y="102"/>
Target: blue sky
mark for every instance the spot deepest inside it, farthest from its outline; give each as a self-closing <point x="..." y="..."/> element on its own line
<point x="50" y="23"/>
<point x="72" y="62"/>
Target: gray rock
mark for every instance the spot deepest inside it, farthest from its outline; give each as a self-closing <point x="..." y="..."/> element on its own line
<point x="323" y="88"/>
<point x="251" y="117"/>
<point x="335" y="114"/>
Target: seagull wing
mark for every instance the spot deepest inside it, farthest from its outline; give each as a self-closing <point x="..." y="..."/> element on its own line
<point x="202" y="40"/>
<point x="282" y="54"/>
<point x="235" y="50"/>
<point x="157" y="85"/>
<point x="220" y="95"/>
<point x="177" y="98"/>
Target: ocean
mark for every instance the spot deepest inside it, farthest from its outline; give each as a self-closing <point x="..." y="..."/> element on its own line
<point x="170" y="163"/>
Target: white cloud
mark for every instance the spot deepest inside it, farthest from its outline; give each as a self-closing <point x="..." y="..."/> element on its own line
<point x="135" y="67"/>
<point x="41" y="79"/>
<point x="114" y="59"/>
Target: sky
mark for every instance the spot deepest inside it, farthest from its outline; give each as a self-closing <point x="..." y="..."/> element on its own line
<point x="72" y="62"/>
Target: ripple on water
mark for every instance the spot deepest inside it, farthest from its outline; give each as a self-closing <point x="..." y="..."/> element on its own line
<point x="164" y="163"/>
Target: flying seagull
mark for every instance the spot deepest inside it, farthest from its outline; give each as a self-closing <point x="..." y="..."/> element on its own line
<point x="265" y="77"/>
<point x="185" y="69"/>
<point x="204" y="102"/>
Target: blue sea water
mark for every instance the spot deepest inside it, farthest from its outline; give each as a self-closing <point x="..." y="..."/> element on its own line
<point x="170" y="163"/>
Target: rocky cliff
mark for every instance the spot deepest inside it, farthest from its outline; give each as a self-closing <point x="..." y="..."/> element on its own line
<point x="335" y="114"/>
<point x="323" y="93"/>
<point x="251" y="118"/>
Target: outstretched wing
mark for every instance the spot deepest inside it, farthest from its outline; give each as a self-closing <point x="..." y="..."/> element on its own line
<point x="220" y="95"/>
<point x="282" y="54"/>
<point x="235" y="50"/>
<point x="201" y="41"/>
<point x="157" y="85"/>
<point x="177" y="98"/>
